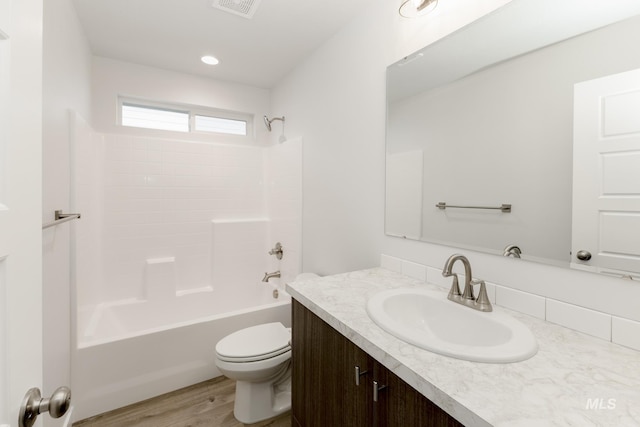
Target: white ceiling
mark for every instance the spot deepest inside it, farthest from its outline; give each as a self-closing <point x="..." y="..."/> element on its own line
<point x="174" y="34"/>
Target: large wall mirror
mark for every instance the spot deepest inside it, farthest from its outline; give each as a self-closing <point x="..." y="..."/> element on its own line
<point x="485" y="121"/>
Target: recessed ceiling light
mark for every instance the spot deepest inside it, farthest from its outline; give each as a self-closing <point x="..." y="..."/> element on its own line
<point x="210" y="60"/>
<point x="416" y="8"/>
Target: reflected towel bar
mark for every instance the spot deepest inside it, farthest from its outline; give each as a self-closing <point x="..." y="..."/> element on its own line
<point x="504" y="208"/>
<point x="61" y="218"/>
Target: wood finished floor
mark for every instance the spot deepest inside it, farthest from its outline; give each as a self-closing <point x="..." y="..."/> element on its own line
<point x="207" y="404"/>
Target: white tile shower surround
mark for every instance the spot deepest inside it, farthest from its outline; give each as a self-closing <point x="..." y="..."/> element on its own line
<point x="238" y="252"/>
<point x="156" y="199"/>
<point x="160" y="197"/>
<point x="284" y="204"/>
<point x="573" y="380"/>
<point x="87" y="151"/>
<point x="621" y="331"/>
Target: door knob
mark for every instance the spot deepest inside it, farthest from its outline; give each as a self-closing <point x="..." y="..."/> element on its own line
<point x="33" y="405"/>
<point x="583" y="255"/>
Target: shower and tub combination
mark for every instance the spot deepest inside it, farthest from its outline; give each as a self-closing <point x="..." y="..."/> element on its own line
<point x="175" y="240"/>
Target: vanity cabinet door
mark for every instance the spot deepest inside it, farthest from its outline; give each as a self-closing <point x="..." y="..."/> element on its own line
<point x="400" y="405"/>
<point x="324" y="390"/>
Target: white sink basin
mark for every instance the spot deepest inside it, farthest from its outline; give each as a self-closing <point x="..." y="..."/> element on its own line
<point x="427" y="319"/>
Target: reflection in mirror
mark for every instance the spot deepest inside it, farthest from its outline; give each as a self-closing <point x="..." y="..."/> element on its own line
<point x="473" y="121"/>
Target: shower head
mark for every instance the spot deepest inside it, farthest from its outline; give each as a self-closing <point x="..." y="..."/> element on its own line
<point x="268" y="122"/>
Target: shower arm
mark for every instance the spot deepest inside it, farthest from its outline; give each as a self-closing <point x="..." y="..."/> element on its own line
<point x="267" y="121"/>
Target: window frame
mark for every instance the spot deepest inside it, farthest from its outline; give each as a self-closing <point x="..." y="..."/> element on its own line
<point x="192" y="111"/>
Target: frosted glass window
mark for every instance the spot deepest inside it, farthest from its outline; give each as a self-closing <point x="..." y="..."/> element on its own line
<point x="201" y="122"/>
<point x="154" y="118"/>
<point x="220" y="125"/>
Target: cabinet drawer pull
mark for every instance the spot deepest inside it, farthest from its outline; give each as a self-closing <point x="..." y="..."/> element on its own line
<point x="377" y="388"/>
<point x="359" y="374"/>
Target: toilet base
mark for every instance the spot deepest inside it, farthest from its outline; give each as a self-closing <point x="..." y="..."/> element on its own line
<point x="256" y="402"/>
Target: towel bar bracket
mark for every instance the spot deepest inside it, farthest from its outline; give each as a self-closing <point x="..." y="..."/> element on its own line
<point x="60" y="218"/>
<point x="59" y="215"/>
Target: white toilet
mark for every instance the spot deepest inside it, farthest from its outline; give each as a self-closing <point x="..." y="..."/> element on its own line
<point x="259" y="359"/>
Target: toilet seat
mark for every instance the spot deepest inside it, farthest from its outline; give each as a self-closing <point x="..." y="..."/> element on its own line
<point x="253" y="358"/>
<point x="254" y="343"/>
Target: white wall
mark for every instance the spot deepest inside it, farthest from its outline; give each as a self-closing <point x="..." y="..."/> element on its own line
<point x="329" y="102"/>
<point x="336" y="99"/>
<point x="66" y="84"/>
<point x="112" y="78"/>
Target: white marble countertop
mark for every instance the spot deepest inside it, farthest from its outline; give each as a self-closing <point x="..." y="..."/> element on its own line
<point x="573" y="380"/>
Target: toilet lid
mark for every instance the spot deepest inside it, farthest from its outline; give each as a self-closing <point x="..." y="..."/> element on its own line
<point x="255" y="343"/>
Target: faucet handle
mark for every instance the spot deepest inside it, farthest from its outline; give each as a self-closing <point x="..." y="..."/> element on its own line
<point x="482" y="301"/>
<point x="277" y="250"/>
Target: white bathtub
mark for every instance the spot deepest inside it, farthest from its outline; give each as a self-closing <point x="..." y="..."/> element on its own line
<point x="132" y="350"/>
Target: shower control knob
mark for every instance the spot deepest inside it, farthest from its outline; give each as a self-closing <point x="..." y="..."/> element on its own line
<point x="277" y="250"/>
<point x="583" y="255"/>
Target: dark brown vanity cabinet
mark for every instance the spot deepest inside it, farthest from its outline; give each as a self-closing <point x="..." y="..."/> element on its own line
<point x="334" y="380"/>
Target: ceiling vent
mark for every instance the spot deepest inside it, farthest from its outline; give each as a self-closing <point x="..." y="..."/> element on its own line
<point x="244" y="8"/>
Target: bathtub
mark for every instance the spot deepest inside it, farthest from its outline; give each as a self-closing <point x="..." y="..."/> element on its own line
<point x="129" y="351"/>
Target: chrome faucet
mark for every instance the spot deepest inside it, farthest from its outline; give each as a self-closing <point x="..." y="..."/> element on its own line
<point x="512" y="250"/>
<point x="268" y="276"/>
<point x="467" y="297"/>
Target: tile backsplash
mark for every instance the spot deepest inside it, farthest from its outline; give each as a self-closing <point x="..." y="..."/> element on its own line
<point x="595" y="323"/>
<point x="581" y="319"/>
<point x="524" y="302"/>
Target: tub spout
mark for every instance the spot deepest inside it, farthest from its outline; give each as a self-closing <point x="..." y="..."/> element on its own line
<point x="268" y="276"/>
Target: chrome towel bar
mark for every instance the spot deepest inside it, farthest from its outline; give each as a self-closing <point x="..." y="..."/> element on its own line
<point x="60" y="218"/>
<point x="504" y="208"/>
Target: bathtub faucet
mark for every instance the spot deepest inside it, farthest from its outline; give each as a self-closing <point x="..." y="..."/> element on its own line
<point x="268" y="276"/>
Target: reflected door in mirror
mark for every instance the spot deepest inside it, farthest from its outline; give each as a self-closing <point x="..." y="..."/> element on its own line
<point x="606" y="186"/>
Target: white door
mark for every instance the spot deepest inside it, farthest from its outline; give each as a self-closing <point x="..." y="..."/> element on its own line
<point x="20" y="203"/>
<point x="606" y="174"/>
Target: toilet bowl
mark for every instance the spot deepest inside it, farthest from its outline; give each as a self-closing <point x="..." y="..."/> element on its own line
<point x="259" y="359"/>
